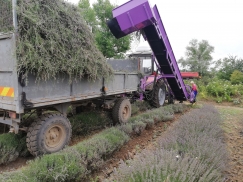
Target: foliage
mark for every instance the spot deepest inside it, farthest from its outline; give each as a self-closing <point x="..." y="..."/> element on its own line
<point x="192" y="151"/>
<point x="6" y="16"/>
<point x="54" y="39"/>
<point x="140" y="106"/>
<point x="97" y="17"/>
<point x="236" y="77"/>
<point x="219" y="90"/>
<point x="198" y="56"/>
<point x="138" y="127"/>
<point x="11" y="147"/>
<point x="228" y="66"/>
<point x="88" y="14"/>
<point x="86" y="122"/>
<point x="72" y="163"/>
<point x="135" y="109"/>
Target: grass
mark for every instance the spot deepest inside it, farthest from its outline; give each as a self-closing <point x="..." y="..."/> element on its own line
<point x="231" y="117"/>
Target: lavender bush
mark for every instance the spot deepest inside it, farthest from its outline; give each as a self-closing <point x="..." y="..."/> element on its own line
<point x="192" y="151"/>
<point x="72" y="163"/>
<point x="11" y="147"/>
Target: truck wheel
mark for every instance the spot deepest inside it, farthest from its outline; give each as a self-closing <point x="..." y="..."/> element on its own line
<point x="159" y="94"/>
<point x="121" y="111"/>
<point x="49" y="134"/>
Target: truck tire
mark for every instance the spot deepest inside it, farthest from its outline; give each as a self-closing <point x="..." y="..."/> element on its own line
<point x="49" y="134"/>
<point x="159" y="91"/>
<point x="121" y="111"/>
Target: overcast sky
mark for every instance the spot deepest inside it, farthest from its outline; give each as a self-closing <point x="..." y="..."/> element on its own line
<point x="220" y="22"/>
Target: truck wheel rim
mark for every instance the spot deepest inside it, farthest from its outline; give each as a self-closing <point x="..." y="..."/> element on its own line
<point x="125" y="112"/>
<point x="161" y="96"/>
<point x="54" y="136"/>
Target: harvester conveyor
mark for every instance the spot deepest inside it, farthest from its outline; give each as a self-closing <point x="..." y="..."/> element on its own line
<point x="138" y="15"/>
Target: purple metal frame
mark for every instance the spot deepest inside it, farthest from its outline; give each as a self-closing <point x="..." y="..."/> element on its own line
<point x="138" y="15"/>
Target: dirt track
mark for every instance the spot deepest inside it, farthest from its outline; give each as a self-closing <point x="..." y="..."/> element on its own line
<point x="233" y="127"/>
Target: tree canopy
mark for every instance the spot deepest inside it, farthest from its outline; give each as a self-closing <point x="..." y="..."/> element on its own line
<point x="236" y="77"/>
<point x="96" y="17"/>
<point x="197" y="56"/>
<point x="228" y="65"/>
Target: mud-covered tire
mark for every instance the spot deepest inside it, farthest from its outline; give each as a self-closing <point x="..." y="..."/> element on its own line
<point x="159" y="95"/>
<point x="49" y="134"/>
<point x="121" y="111"/>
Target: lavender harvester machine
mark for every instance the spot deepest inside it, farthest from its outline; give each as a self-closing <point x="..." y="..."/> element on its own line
<point x="137" y="15"/>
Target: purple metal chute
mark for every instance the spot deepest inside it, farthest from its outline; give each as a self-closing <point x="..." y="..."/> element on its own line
<point x="138" y="15"/>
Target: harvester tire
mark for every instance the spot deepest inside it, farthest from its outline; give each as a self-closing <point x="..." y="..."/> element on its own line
<point x="49" y="134"/>
<point x="159" y="93"/>
<point x="121" y="111"/>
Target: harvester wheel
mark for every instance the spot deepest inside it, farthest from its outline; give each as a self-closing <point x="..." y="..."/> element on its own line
<point x="49" y="134"/>
<point x="121" y="111"/>
<point x="159" y="94"/>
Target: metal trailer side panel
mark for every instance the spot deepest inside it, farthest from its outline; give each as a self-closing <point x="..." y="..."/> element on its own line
<point x="60" y="91"/>
<point x="8" y="70"/>
<point x="9" y="91"/>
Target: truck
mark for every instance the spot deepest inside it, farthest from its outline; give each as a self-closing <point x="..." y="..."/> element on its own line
<point x="51" y="132"/>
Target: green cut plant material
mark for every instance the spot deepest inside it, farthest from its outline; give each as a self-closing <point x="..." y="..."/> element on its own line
<point x="54" y="40"/>
<point x="6" y="18"/>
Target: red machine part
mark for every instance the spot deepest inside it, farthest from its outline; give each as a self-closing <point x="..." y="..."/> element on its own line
<point x="190" y="75"/>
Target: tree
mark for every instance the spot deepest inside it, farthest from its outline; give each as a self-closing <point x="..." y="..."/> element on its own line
<point x="198" y="56"/>
<point x="97" y="17"/>
<point x="228" y="65"/>
<point x="88" y="14"/>
<point x="236" y="77"/>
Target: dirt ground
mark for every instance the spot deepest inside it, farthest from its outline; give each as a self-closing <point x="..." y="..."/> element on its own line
<point x="233" y="127"/>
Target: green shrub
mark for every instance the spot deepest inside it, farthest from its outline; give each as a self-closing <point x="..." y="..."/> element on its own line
<point x="127" y="128"/>
<point x="11" y="147"/>
<point x="143" y="105"/>
<point x="85" y="122"/>
<point x="149" y="123"/>
<point x="138" y="127"/>
<point x="135" y="109"/>
<point x="72" y="163"/>
<point x="236" y="77"/>
<point x="62" y="166"/>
